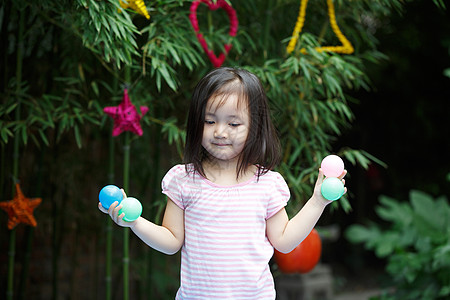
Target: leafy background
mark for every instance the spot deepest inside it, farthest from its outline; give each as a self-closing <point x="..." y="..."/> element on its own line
<point x="381" y="108"/>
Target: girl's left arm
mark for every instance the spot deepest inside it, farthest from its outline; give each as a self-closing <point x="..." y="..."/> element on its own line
<point x="285" y="234"/>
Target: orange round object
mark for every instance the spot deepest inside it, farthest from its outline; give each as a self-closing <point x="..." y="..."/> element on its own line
<point x="303" y="258"/>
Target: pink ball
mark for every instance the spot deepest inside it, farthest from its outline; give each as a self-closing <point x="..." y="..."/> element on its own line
<point x="332" y="166"/>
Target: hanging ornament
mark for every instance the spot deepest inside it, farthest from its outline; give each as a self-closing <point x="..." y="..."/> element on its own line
<point x="20" y="209"/>
<point x="346" y="47"/>
<point x="137" y="5"/>
<point x="126" y="116"/>
<point x="216" y="61"/>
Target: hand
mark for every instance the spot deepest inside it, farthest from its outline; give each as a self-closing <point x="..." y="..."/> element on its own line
<point x="317" y="189"/>
<point x="113" y="211"/>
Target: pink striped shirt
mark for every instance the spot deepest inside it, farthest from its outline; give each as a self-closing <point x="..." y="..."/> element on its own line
<point x="226" y="252"/>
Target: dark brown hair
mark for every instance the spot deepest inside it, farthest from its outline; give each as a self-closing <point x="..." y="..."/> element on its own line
<point x="262" y="147"/>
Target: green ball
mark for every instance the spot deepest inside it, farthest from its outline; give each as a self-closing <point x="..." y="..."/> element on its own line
<point x="132" y="209"/>
<point x="332" y="188"/>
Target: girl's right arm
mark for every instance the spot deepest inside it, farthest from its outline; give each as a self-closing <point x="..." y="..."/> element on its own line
<point x="167" y="238"/>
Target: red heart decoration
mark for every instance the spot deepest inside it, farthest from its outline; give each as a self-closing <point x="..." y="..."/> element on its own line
<point x="216" y="61"/>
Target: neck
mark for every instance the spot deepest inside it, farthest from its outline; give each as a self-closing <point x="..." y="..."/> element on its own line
<point x="225" y="172"/>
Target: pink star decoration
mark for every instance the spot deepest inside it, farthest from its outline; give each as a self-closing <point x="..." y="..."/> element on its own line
<point x="126" y="116"/>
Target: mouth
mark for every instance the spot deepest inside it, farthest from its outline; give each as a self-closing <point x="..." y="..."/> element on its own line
<point x="221" y="144"/>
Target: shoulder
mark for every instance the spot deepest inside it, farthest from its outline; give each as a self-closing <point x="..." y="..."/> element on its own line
<point x="178" y="172"/>
<point x="274" y="181"/>
<point x="177" y="169"/>
<point x="272" y="176"/>
<point x="175" y="180"/>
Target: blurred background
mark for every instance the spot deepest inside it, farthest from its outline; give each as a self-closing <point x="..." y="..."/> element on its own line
<point x="383" y="108"/>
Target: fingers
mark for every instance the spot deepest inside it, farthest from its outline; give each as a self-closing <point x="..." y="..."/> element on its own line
<point x="319" y="177"/>
<point x="119" y="219"/>
<point x="343" y="180"/>
<point x="101" y="208"/>
<point x="343" y="174"/>
<point x="113" y="210"/>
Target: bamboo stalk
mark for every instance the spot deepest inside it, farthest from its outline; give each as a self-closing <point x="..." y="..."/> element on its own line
<point x="11" y="256"/>
<point x="23" y="283"/>
<point x="155" y="194"/>
<point x="109" y="222"/>
<point x="126" y="232"/>
<point x="126" y="181"/>
<point x="109" y="226"/>
<point x="12" y="236"/>
<point x="29" y="233"/>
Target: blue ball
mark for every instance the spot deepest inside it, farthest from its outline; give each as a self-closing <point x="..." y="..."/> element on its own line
<point x="109" y="194"/>
<point x="332" y="188"/>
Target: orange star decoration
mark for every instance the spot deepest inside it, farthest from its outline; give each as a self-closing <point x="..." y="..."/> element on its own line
<point x="20" y="209"/>
<point x="137" y="5"/>
<point x="346" y="47"/>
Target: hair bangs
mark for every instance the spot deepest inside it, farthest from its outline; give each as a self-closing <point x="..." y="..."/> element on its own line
<point x="234" y="87"/>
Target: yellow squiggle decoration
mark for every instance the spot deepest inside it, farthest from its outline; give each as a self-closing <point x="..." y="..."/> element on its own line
<point x="137" y="5"/>
<point x="346" y="47"/>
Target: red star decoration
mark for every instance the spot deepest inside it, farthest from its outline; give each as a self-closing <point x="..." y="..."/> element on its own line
<point x="20" y="209"/>
<point x="125" y="116"/>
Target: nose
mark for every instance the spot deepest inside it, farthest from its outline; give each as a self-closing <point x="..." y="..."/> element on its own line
<point x="220" y="131"/>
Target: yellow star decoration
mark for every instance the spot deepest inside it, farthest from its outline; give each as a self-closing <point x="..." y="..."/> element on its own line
<point x="346" y="47"/>
<point x="20" y="209"/>
<point x="137" y="5"/>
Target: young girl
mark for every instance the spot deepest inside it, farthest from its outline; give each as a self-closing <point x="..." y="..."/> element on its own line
<point x="225" y="207"/>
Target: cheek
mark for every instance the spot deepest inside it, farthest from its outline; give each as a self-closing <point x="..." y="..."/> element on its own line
<point x="241" y="136"/>
<point x="206" y="131"/>
<point x="204" y="136"/>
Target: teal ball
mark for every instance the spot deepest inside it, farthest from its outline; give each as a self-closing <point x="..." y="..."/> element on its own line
<point x="132" y="209"/>
<point x="332" y="188"/>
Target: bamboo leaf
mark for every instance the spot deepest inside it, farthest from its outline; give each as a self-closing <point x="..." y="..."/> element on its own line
<point x="77" y="136"/>
<point x="163" y="70"/>
<point x="5" y="133"/>
<point x="23" y="130"/>
<point x="43" y="137"/>
<point x="174" y="54"/>
<point x="94" y="87"/>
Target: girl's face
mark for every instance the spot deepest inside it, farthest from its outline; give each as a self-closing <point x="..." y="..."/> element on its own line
<point x="226" y="128"/>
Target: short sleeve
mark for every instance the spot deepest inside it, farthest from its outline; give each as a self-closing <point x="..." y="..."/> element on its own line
<point x="279" y="195"/>
<point x="171" y="185"/>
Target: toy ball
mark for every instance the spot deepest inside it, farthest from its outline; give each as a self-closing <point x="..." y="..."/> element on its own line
<point x="132" y="209"/>
<point x="332" y="166"/>
<point x="109" y="194"/>
<point x="303" y="258"/>
<point x="332" y="188"/>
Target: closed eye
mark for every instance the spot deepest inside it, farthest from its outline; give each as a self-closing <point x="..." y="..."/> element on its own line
<point x="209" y="122"/>
<point x="234" y="124"/>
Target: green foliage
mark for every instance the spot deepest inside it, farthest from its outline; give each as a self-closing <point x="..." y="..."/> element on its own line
<point x="164" y="61"/>
<point x="78" y="55"/>
<point x="105" y="28"/>
<point x="416" y="245"/>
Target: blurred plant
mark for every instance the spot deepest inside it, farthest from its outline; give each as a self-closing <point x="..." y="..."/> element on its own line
<point x="78" y="53"/>
<point x="416" y="245"/>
